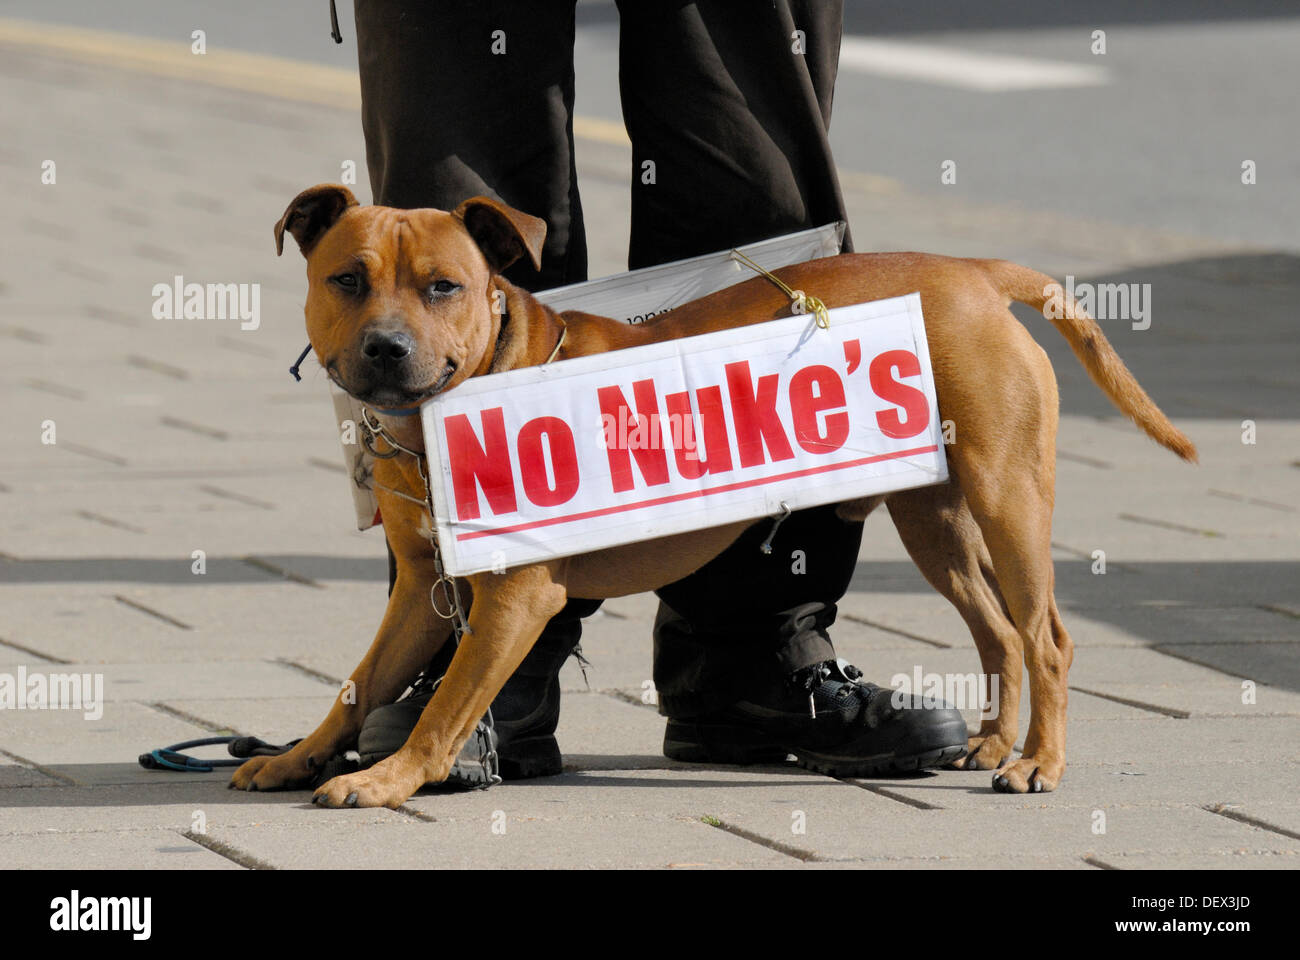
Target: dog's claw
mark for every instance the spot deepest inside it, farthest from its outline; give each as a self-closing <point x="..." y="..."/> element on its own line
<point x="1029" y="775"/>
<point x="351" y="800"/>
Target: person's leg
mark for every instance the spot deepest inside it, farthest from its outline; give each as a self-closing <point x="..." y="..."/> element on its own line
<point x="741" y="622"/>
<point x="452" y="108"/>
<point x="733" y="121"/>
<point x="728" y="117"/>
<point x="460" y="99"/>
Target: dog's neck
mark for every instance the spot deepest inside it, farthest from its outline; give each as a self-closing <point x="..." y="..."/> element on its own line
<point x="406" y="430"/>
<point x="525" y="334"/>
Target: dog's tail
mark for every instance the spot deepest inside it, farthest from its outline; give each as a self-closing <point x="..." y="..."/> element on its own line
<point x="1092" y="348"/>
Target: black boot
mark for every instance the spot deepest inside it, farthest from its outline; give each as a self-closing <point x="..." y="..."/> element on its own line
<point x="525" y="713"/>
<point x="821" y="712"/>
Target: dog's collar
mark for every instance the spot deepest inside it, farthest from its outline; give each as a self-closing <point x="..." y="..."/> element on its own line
<point x="373" y="428"/>
<point x="564" y="332"/>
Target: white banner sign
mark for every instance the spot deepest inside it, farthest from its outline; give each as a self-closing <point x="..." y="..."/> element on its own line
<point x="632" y="297"/>
<point x="626" y="446"/>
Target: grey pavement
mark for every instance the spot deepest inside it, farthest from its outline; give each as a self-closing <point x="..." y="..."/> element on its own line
<point x="176" y="436"/>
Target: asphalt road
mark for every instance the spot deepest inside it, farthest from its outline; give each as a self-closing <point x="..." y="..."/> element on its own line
<point x="1153" y="133"/>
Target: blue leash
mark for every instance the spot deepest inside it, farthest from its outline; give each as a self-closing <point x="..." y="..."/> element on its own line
<point x="240" y="748"/>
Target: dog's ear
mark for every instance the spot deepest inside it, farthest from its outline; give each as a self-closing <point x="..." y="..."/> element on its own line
<point x="503" y="233"/>
<point x="311" y="213"/>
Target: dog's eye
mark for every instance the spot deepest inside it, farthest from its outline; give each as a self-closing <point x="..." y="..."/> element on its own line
<point x="348" y="281"/>
<point x="444" y="286"/>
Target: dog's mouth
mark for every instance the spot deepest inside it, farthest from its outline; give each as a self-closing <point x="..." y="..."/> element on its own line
<point x="387" y="397"/>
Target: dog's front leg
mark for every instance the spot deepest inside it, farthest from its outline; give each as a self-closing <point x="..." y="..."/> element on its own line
<point x="508" y="615"/>
<point x="408" y="638"/>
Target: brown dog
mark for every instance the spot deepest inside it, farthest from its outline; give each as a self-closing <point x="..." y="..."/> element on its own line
<point x="400" y="306"/>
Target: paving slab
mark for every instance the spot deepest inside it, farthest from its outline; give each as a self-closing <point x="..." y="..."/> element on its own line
<point x="66" y="745"/>
<point x="14" y="774"/>
<point x="1220" y="697"/>
<point x="270" y="718"/>
<point x="1229" y="740"/>
<point x="110" y="851"/>
<point x="1223" y="860"/>
<point x="169" y="802"/>
<point x="521" y="843"/>
<point x="125" y="683"/>
<point x="1117" y="783"/>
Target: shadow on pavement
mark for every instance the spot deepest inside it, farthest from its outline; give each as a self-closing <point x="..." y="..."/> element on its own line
<point x="1219" y="615"/>
<point x="133" y="787"/>
<point x="1222" y="340"/>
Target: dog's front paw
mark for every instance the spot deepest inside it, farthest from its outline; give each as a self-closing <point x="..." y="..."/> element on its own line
<point x="388" y="783"/>
<point x="293" y="769"/>
<point x="1036" y="774"/>
<point x="984" y="753"/>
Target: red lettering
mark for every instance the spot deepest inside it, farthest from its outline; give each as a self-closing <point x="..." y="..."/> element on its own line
<point x="754" y="413"/>
<point x="485" y="465"/>
<point x="852" y="354"/>
<point x="887" y="387"/>
<point x="713" y="423"/>
<point x="532" y="461"/>
<point x="806" y="404"/>
<point x="647" y="448"/>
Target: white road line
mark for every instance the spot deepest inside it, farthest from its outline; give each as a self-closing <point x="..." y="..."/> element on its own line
<point x="953" y="67"/>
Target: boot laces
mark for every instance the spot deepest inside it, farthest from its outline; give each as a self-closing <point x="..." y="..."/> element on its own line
<point x="811" y="679"/>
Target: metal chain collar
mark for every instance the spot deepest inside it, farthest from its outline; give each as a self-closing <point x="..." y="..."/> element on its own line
<point x="450" y="607"/>
<point x="445" y="586"/>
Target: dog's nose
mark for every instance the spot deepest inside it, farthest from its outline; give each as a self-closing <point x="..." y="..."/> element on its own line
<point x="381" y="346"/>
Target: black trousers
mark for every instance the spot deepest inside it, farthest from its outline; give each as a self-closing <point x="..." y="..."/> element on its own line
<point x="727" y="105"/>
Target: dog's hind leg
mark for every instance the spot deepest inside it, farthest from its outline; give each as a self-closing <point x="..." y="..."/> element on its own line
<point x="1014" y="515"/>
<point x="1011" y="497"/>
<point x="942" y="538"/>
<point x="1063" y="643"/>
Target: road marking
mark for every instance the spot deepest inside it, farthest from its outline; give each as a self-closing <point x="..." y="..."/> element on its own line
<point x="872" y="183"/>
<point x="602" y="131"/>
<point x="968" y="69"/>
<point x="270" y="76"/>
<point x="229" y="69"/>
<point x="233" y="70"/>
